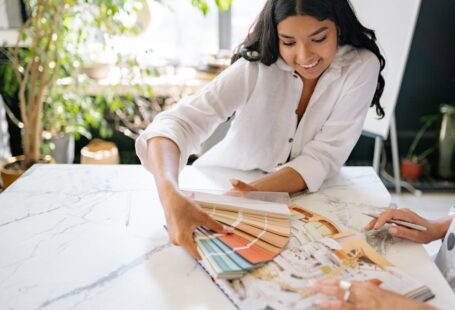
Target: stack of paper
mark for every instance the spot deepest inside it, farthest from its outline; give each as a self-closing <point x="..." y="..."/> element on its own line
<point x="261" y="230"/>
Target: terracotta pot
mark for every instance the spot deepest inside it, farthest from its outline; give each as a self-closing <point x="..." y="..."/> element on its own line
<point x="10" y="169"/>
<point x="410" y="170"/>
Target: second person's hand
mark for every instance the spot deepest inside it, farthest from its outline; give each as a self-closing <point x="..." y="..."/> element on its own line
<point x="363" y="295"/>
<point x="435" y="229"/>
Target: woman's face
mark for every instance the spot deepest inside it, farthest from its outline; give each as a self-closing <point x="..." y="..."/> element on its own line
<point x="307" y="44"/>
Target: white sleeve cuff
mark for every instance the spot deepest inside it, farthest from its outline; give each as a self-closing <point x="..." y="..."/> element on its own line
<point x="310" y="169"/>
<point x="141" y="146"/>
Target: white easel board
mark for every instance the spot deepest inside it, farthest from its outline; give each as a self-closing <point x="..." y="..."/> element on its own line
<point x="393" y="22"/>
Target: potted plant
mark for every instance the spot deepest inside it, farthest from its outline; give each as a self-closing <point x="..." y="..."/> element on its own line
<point x="46" y="48"/>
<point x="412" y="166"/>
<point x="35" y="68"/>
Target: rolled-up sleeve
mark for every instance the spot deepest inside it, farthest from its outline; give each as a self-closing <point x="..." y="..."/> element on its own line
<point x="324" y="155"/>
<point x="194" y="118"/>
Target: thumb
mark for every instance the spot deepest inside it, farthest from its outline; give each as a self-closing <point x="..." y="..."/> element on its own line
<point x="192" y="248"/>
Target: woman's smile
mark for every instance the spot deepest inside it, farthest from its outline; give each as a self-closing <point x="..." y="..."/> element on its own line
<point x="310" y="65"/>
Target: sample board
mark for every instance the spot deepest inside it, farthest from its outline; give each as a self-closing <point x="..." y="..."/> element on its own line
<point x="394" y="22"/>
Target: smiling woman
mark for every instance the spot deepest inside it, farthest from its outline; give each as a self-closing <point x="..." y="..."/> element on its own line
<point x="300" y="87"/>
<point x="309" y="47"/>
<point x="308" y="51"/>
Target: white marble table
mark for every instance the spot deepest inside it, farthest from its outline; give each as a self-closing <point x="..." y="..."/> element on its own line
<point x="92" y="237"/>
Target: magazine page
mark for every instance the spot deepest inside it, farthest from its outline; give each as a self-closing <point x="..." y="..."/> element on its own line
<point x="284" y="282"/>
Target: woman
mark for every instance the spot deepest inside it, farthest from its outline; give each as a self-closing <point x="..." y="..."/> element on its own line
<point x="364" y="295"/>
<point x="300" y="86"/>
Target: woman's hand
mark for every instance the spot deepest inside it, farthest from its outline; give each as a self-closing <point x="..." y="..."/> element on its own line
<point x="435" y="229"/>
<point x="363" y="295"/>
<point x="183" y="216"/>
<point x="240" y="186"/>
<point x="284" y="180"/>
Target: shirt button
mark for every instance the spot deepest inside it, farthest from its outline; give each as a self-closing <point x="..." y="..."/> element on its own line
<point x="291" y="140"/>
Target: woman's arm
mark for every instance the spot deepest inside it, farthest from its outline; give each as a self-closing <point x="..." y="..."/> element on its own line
<point x="328" y="150"/>
<point x="173" y="135"/>
<point x="284" y="180"/>
<point x="183" y="216"/>
<point x="194" y="118"/>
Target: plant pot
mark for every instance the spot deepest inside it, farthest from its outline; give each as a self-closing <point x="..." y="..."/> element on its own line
<point x="10" y="170"/>
<point x="63" y="151"/>
<point x="97" y="71"/>
<point x="411" y="171"/>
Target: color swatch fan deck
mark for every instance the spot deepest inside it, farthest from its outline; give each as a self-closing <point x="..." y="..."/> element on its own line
<point x="261" y="230"/>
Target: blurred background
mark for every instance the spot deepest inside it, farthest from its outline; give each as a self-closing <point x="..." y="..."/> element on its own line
<point x="120" y="63"/>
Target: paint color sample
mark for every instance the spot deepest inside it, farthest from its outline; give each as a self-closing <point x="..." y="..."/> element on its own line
<point x="261" y="230"/>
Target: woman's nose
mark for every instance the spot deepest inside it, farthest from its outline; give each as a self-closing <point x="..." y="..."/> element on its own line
<point x="304" y="54"/>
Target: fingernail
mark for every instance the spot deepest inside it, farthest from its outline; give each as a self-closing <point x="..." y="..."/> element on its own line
<point x="234" y="182"/>
<point x="393" y="230"/>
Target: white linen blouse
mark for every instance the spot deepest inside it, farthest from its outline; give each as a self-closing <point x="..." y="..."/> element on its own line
<point x="265" y="133"/>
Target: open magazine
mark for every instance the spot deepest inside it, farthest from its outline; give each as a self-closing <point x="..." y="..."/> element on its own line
<point x="284" y="282"/>
<point x="317" y="249"/>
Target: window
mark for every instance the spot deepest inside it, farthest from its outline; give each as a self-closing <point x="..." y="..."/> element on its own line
<point x="177" y="32"/>
<point x="243" y="15"/>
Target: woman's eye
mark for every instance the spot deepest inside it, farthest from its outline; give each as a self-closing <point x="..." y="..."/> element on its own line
<point x="320" y="40"/>
<point x="288" y="43"/>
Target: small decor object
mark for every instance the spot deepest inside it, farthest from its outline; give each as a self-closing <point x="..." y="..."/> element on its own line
<point x="10" y="169"/>
<point x="97" y="71"/>
<point x="100" y="152"/>
<point x="412" y="167"/>
<point x="61" y="148"/>
<point x="412" y="170"/>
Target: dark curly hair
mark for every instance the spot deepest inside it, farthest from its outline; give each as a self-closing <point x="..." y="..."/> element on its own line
<point x="261" y="44"/>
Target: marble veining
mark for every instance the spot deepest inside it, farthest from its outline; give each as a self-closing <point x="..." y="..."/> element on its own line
<point x="107" y="278"/>
<point x="92" y="237"/>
